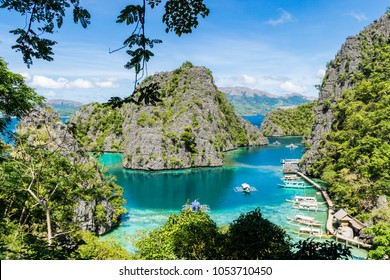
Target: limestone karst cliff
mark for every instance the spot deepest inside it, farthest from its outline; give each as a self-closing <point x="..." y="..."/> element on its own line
<point x="348" y="145"/>
<point x="92" y="201"/>
<point x="192" y="126"/>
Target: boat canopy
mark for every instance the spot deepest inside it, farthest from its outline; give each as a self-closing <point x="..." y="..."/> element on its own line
<point x="301" y="217"/>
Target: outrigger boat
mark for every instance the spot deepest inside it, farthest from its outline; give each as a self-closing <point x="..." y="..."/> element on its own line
<point x="300" y="219"/>
<point x="290" y="178"/>
<point x="300" y="199"/>
<point x="195" y="206"/>
<point x="308" y="206"/>
<point x="294" y="185"/>
<point x="291" y="146"/>
<point x="245" y="188"/>
<point x="310" y="231"/>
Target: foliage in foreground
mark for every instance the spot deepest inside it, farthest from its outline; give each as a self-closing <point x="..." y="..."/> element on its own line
<point x="16" y="98"/>
<point x="195" y="236"/>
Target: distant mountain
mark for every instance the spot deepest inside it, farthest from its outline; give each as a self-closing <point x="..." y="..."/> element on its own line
<point x="247" y="102"/>
<point x="64" y="107"/>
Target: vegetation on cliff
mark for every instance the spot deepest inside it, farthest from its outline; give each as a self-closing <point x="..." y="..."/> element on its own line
<point x="16" y="98"/>
<point x="52" y="191"/>
<point x="289" y="122"/>
<point x="191" y="126"/>
<point x="353" y="152"/>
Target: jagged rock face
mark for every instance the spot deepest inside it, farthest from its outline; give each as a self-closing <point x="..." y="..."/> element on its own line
<point x="191" y="127"/>
<point x="339" y="77"/>
<point x="58" y="137"/>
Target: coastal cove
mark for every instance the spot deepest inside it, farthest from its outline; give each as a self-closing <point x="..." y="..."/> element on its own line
<point x="152" y="196"/>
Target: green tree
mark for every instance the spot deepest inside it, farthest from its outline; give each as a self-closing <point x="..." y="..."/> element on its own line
<point x="381" y="242"/>
<point x="46" y="17"/>
<point x="91" y="248"/>
<point x="47" y="190"/>
<point x="252" y="237"/>
<point x="16" y="98"/>
<point x="190" y="235"/>
<point x="42" y="17"/>
<point x="315" y="250"/>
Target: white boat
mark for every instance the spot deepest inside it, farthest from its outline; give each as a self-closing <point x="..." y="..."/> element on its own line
<point x="195" y="206"/>
<point x="291" y="146"/>
<point x="290" y="178"/>
<point x="299" y="199"/>
<point x="310" y="231"/>
<point x="276" y="143"/>
<point x="308" y="206"/>
<point x="294" y="185"/>
<point x="245" y="188"/>
<point x="300" y="219"/>
<point x="303" y="199"/>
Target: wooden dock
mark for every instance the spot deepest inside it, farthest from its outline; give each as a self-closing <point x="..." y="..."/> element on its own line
<point x="329" y="202"/>
<point x="351" y="241"/>
<point x="329" y="222"/>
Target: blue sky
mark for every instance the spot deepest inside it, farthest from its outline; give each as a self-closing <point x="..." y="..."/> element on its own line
<point x="279" y="46"/>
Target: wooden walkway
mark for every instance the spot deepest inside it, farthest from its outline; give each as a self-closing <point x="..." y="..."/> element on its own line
<point x="329" y="222"/>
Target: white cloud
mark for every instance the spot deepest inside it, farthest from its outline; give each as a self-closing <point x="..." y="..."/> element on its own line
<point x="45" y="82"/>
<point x="50" y="94"/>
<point x="284" y="17"/>
<point x="26" y="76"/>
<point x="290" y="87"/>
<point x="107" y="84"/>
<point x="60" y="83"/>
<point x="80" y="83"/>
<point x="249" y="80"/>
<point x="320" y="73"/>
<point x="359" y="16"/>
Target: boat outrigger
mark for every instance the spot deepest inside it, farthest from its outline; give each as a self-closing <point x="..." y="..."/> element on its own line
<point x="294" y="185"/>
<point x="291" y="146"/>
<point x="310" y="231"/>
<point x="290" y="178"/>
<point x="308" y="206"/>
<point x="300" y="199"/>
<point x="195" y="206"/>
<point x="300" y="219"/>
<point x="245" y="188"/>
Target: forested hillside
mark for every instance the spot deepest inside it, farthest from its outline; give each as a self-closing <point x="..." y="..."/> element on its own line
<point x="350" y="141"/>
<point x="289" y="122"/>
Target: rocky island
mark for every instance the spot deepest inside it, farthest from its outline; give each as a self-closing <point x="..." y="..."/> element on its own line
<point x="192" y="126"/>
<point x="289" y="122"/>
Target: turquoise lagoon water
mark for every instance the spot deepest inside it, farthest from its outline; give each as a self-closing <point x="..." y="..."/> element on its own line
<point x="152" y="196"/>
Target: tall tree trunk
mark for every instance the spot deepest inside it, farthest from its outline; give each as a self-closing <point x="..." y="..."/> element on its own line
<point x="48" y="222"/>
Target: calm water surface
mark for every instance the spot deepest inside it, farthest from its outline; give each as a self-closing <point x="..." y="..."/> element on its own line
<point x="152" y="196"/>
